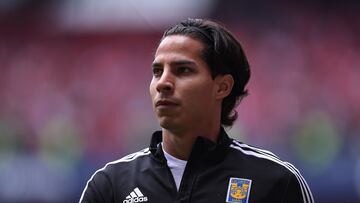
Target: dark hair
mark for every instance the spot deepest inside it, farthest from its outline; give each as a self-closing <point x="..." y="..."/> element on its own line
<point x="223" y="54"/>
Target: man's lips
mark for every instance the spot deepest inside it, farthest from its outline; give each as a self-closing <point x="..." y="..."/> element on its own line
<point x="166" y="102"/>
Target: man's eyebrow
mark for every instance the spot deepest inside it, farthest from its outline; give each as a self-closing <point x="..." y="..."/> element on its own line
<point x="183" y="62"/>
<point x="174" y="63"/>
<point x="156" y="64"/>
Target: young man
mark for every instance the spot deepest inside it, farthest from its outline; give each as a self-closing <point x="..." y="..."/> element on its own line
<point x="199" y="75"/>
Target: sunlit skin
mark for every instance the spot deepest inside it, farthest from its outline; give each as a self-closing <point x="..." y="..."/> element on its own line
<point x="186" y="99"/>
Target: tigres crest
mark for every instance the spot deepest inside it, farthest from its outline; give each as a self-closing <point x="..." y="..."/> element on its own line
<point x="238" y="190"/>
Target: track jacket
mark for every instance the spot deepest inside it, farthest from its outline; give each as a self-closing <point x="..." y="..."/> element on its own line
<point x="227" y="171"/>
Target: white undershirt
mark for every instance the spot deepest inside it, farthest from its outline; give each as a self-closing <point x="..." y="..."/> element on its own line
<point x="177" y="167"/>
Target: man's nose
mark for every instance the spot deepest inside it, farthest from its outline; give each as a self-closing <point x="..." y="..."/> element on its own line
<point x="166" y="83"/>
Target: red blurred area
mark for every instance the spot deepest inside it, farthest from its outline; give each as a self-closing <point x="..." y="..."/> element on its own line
<point x="95" y="86"/>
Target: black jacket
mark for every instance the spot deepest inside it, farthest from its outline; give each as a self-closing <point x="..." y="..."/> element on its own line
<point x="227" y="171"/>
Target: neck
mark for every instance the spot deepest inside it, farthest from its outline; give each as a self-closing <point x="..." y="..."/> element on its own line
<point x="180" y="144"/>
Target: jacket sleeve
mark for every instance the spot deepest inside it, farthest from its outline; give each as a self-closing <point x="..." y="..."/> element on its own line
<point x="297" y="191"/>
<point x="98" y="189"/>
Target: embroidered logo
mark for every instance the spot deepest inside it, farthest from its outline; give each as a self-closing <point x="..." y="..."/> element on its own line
<point x="135" y="196"/>
<point x="238" y="190"/>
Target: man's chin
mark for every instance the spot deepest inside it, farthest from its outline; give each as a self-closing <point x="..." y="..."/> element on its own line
<point x="168" y="123"/>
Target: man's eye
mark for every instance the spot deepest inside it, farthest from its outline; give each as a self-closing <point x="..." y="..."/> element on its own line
<point x="182" y="70"/>
<point x="157" y="71"/>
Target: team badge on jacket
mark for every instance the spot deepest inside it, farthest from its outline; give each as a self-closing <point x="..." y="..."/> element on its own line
<point x="238" y="190"/>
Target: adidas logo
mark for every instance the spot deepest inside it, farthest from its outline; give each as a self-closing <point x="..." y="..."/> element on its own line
<point x="135" y="196"/>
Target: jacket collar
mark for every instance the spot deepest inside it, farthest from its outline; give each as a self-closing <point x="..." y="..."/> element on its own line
<point x="203" y="149"/>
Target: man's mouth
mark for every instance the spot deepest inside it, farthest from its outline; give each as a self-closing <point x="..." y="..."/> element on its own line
<point x="165" y="103"/>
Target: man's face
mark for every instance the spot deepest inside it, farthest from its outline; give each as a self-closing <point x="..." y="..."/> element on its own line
<point x="182" y="89"/>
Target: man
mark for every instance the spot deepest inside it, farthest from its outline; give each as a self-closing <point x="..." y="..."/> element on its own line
<point x="199" y="75"/>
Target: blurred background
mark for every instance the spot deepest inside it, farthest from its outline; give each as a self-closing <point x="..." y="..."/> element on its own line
<point x="74" y="79"/>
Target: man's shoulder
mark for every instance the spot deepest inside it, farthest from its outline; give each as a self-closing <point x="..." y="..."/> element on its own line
<point x="133" y="156"/>
<point x="263" y="165"/>
<point x="104" y="179"/>
<point x="126" y="161"/>
<point x="262" y="158"/>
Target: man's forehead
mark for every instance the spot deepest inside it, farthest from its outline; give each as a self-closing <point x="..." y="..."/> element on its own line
<point x="179" y="49"/>
<point x="179" y="43"/>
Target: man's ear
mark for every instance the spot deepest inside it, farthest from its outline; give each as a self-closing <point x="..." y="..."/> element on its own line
<point x="225" y="84"/>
